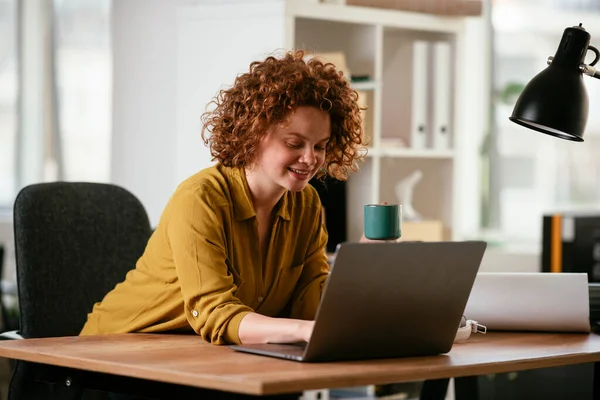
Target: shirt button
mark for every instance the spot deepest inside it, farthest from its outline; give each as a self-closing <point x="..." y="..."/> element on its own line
<point x="260" y="298"/>
<point x="195" y="313"/>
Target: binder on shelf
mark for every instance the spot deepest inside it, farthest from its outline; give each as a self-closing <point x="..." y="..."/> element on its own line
<point x="406" y="99"/>
<point x="570" y="242"/>
<point x="441" y="126"/>
<point x="419" y="127"/>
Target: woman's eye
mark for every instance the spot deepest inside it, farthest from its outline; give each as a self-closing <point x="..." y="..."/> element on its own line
<point x="295" y="145"/>
<point x="320" y="148"/>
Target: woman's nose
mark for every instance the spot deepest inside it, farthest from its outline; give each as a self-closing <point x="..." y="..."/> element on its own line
<point x="309" y="157"/>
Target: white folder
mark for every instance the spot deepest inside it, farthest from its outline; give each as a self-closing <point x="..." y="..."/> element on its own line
<point x="420" y="126"/>
<point x="441" y="124"/>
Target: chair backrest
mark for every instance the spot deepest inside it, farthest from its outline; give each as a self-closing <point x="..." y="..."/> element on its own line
<point x="73" y="243"/>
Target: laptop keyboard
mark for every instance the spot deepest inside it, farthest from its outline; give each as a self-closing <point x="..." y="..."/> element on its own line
<point x="293" y="349"/>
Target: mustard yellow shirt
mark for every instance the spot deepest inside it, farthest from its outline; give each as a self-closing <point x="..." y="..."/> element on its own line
<point x="203" y="270"/>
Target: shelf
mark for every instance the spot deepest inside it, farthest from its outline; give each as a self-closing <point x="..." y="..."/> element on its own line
<point x="405" y="152"/>
<point x="367" y="15"/>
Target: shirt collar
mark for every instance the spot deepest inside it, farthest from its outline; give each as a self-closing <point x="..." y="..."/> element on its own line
<point x="240" y="195"/>
<point x="242" y="202"/>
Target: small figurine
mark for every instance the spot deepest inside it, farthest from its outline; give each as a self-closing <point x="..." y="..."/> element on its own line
<point x="404" y="193"/>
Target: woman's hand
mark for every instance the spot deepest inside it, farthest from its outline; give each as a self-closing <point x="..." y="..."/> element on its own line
<point x="306" y="329"/>
<point x="257" y="328"/>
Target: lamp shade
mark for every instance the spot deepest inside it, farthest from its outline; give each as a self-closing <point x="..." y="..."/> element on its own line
<point x="555" y="101"/>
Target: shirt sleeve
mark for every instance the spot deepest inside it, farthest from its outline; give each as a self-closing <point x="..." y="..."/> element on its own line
<point x="197" y="238"/>
<point x="309" y="288"/>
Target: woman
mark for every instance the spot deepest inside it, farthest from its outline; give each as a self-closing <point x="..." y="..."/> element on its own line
<point x="239" y="253"/>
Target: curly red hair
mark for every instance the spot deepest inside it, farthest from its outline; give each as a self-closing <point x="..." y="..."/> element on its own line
<point x="267" y="94"/>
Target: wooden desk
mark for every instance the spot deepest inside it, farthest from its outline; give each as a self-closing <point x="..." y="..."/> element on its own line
<point x="187" y="360"/>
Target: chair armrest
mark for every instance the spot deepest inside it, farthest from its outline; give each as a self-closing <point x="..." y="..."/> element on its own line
<point x="11" y="335"/>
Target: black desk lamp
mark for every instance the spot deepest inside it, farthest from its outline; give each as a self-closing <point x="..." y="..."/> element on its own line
<point x="555" y="101"/>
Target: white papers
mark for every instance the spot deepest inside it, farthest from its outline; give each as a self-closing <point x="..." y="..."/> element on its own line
<point x="417" y="104"/>
<point x="531" y="302"/>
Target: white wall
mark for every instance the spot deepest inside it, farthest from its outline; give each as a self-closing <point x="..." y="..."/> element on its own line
<point x="144" y="100"/>
<point x="170" y="59"/>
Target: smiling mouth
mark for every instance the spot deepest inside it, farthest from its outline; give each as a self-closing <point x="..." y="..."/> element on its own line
<point x="299" y="172"/>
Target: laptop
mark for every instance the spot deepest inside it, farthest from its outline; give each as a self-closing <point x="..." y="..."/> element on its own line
<point x="387" y="300"/>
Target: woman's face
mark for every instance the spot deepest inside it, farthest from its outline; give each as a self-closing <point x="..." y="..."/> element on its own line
<point x="292" y="152"/>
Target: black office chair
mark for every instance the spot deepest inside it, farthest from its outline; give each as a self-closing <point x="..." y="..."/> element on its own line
<point x="73" y="243"/>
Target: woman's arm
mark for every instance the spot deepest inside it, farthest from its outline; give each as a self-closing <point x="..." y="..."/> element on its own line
<point x="257" y="328"/>
<point x="195" y="220"/>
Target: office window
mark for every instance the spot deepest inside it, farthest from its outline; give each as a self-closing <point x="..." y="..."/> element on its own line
<point x="531" y="173"/>
<point x="55" y="92"/>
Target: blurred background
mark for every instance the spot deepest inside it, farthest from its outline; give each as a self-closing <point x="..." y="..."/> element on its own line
<point x="112" y="91"/>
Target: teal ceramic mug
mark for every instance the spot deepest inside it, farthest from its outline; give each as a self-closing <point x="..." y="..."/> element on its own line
<point x="382" y="221"/>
